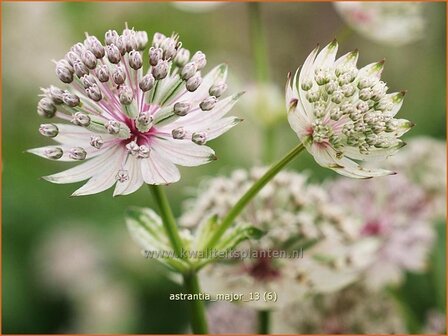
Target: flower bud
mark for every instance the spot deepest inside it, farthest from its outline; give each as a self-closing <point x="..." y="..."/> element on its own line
<point x="169" y="48"/>
<point x="113" y="54"/>
<point x="54" y="153"/>
<point x="64" y="71"/>
<point x="160" y="71"/>
<point x="81" y="119"/>
<point x="80" y="69"/>
<point x="55" y="94"/>
<point x="217" y="89"/>
<point x="129" y="43"/>
<point x="78" y="48"/>
<point x="181" y="108"/>
<point x="72" y="57"/>
<point x="208" y="103"/>
<point x="178" y="133"/>
<point x="94" y="93"/>
<point x="70" y="99"/>
<point x="95" y="46"/>
<point x="144" y="121"/>
<point x="112" y="127"/>
<point x="158" y="39"/>
<point x="121" y="46"/>
<point x="182" y="57"/>
<point x="119" y="76"/>
<point x="77" y="153"/>
<point x="146" y="83"/>
<point x="306" y="85"/>
<point x="200" y="59"/>
<point x="110" y="37"/>
<point x="96" y="141"/>
<point x="126" y="95"/>
<point x="194" y="82"/>
<point x="135" y="60"/>
<point x="88" y="81"/>
<point x="103" y="73"/>
<point x="188" y="70"/>
<point x="89" y="59"/>
<point x="49" y="130"/>
<point x="46" y="108"/>
<point x="141" y="37"/>
<point x="155" y="54"/>
<point x="199" y="138"/>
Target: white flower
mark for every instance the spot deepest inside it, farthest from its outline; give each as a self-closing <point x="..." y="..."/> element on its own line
<point x="351" y="310"/>
<point x="423" y="161"/>
<point x="342" y="114"/>
<point x="391" y="23"/>
<point x="131" y="125"/>
<point x="292" y="213"/>
<point x="397" y="214"/>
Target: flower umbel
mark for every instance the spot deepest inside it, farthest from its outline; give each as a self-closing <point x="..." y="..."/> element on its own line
<point x="133" y="126"/>
<point x="342" y="114"/>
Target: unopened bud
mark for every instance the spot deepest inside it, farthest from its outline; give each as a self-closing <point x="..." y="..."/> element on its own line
<point x="88" y="81"/>
<point x="199" y="138"/>
<point x="94" y="93"/>
<point x="119" y="76"/>
<point x="80" y="69"/>
<point x="72" y="57"/>
<point x="178" y="133"/>
<point x="55" y="94"/>
<point x="181" y="108"/>
<point x="113" y="54"/>
<point x="103" y="73"/>
<point x="200" y="59"/>
<point x="194" y="82"/>
<point x="182" y="57"/>
<point x="110" y="37"/>
<point x="208" y="103"/>
<point x="95" y="46"/>
<point x="155" y="54"/>
<point x="78" y="48"/>
<point x="217" y="89"/>
<point x="64" y="71"/>
<point x="160" y="71"/>
<point x="189" y="70"/>
<point x="89" y="59"/>
<point x="126" y="95"/>
<point x="146" y="83"/>
<point x="158" y="39"/>
<point x="135" y="60"/>
<point x="141" y="37"/>
<point x="46" y="108"/>
<point x="77" y="153"/>
<point x="54" y="153"/>
<point x="70" y="99"/>
<point x="133" y="148"/>
<point x="49" y="130"/>
<point x="120" y="43"/>
<point x="169" y="48"/>
<point x="81" y="119"/>
<point x="144" y="119"/>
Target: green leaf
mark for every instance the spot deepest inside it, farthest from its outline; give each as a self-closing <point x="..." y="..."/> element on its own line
<point x="146" y="229"/>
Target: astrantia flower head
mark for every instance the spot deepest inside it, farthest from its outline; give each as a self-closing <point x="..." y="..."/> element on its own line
<point x="397" y="214"/>
<point x="342" y="114"/>
<point x="293" y="214"/>
<point x="391" y="23"/>
<point x="133" y="126"/>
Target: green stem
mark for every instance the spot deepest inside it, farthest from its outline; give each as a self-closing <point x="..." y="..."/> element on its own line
<point x="169" y="222"/>
<point x="191" y="283"/>
<point x="264" y="322"/>
<point x="259" y="47"/>
<point x="251" y="193"/>
<point x="197" y="312"/>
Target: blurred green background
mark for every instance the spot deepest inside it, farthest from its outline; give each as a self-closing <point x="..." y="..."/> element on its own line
<point x="33" y="209"/>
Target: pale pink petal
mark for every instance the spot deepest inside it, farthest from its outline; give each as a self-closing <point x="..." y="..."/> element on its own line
<point x="158" y="170"/>
<point x="135" y="180"/>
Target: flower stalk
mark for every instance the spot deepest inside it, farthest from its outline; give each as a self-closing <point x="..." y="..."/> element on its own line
<point x="197" y="312"/>
<point x="251" y="193"/>
<point x="259" y="48"/>
<point x="264" y="319"/>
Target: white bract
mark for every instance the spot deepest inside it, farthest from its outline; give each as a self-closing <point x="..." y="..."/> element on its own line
<point x="133" y="126"/>
<point x="391" y="23"/>
<point x="343" y="115"/>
